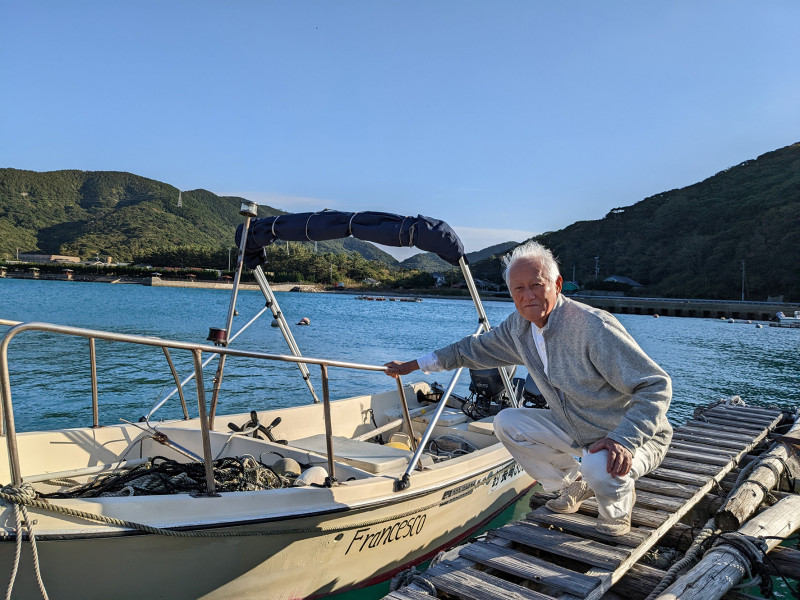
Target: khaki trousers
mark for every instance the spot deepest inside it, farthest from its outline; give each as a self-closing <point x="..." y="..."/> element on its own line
<point x="555" y="460"/>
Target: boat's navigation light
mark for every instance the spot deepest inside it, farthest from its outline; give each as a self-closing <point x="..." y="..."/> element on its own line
<point x="249" y="209"/>
<point x="217" y="335"/>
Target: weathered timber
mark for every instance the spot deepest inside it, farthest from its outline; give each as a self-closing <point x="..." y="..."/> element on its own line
<point x="563" y="556"/>
<point x="689" y="466"/>
<point x="721" y="569"/>
<point x="740" y="411"/>
<point x="706" y="439"/>
<point x="734" y="418"/>
<point x="751" y="492"/>
<point x="563" y="544"/>
<point x="784" y="561"/>
<point x="584" y="526"/>
<point x="471" y="584"/>
<point x="691" y="455"/>
<point x="716" y="424"/>
<point x="664" y="488"/>
<point x="639" y="516"/>
<point x="408" y="594"/>
<point x="717" y="435"/>
<point x="657" y="501"/>
<point x="638" y="582"/>
<point x="704" y="448"/>
<point x="678" y="476"/>
<point x="529" y="567"/>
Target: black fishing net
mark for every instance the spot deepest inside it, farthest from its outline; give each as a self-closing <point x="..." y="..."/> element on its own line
<point x="161" y="475"/>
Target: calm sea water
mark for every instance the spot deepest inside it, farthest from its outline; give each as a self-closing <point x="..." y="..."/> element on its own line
<point x="707" y="359"/>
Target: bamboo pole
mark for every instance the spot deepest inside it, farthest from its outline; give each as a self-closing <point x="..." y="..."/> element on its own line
<point x="720" y="570"/>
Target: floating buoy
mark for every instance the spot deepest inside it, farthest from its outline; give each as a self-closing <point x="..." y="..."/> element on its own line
<point x="304" y="321"/>
<point x="655" y="316"/>
<point x="312" y="475"/>
<point x="758" y="326"/>
<point x="275" y="323"/>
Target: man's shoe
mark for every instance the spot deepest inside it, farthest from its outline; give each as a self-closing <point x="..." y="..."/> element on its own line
<point x="569" y="500"/>
<point x="616" y="526"/>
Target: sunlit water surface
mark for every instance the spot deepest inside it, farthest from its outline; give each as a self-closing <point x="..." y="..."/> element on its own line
<point x="707" y="359"/>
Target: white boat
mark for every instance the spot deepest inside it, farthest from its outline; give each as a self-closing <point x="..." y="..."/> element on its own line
<point x="782" y="318"/>
<point x="230" y="516"/>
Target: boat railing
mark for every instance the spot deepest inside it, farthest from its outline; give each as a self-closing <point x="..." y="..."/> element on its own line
<point x="8" y="429"/>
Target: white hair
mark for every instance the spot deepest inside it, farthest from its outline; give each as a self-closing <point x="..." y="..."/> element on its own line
<point x="531" y="250"/>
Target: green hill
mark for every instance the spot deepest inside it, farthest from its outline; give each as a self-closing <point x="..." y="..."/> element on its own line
<point x="429" y="262"/>
<point x="691" y="242"/>
<point x="84" y="213"/>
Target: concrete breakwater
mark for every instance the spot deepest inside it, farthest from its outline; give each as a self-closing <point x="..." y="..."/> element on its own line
<point x="676" y="307"/>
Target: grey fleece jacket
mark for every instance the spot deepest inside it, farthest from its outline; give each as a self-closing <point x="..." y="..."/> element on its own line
<point x="600" y="382"/>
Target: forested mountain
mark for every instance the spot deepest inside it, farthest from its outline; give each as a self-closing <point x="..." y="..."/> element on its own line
<point x="692" y="242"/>
<point x="125" y="216"/>
<point x="429" y="262"/>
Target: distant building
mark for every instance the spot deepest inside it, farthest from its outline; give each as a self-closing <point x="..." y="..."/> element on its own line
<point x="569" y="287"/>
<point x="485" y="284"/>
<point x="370" y="281"/>
<point x="47" y="258"/>
<point x="626" y="280"/>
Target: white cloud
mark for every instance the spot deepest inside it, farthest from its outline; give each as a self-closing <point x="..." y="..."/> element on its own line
<point x="284" y="202"/>
<point x="478" y="238"/>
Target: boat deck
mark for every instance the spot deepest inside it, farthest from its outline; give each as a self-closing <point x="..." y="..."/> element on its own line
<point x="551" y="555"/>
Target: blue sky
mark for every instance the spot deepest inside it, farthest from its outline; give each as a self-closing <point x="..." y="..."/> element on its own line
<point x="504" y="118"/>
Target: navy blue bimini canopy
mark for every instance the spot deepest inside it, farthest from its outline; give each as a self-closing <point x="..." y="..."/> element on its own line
<point x="422" y="232"/>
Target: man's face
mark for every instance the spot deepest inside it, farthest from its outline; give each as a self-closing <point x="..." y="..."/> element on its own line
<point x="533" y="293"/>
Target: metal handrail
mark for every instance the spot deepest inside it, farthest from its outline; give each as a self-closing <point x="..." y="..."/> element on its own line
<point x="9" y="430"/>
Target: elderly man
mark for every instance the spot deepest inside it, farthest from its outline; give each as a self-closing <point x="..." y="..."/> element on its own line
<point x="608" y="400"/>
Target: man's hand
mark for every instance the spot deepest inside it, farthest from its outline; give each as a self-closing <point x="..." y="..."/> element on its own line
<point x="396" y="367"/>
<point x="620" y="458"/>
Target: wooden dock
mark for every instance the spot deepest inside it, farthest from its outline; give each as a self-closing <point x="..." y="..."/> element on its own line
<point x="550" y="555"/>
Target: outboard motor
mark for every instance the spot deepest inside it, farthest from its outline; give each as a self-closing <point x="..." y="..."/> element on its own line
<point x="488" y="393"/>
<point x="528" y="392"/>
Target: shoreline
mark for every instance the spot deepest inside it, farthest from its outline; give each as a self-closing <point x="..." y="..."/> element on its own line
<point x="667" y="307"/>
<point x="313" y="288"/>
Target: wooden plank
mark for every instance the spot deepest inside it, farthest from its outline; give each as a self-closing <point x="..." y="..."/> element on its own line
<point x="741" y="416"/>
<point x="688" y="466"/>
<point x="748" y="410"/>
<point x="678" y="476"/>
<point x="470" y="584"/>
<point x="639" y="516"/>
<point x="657" y="501"/>
<point x="707" y="439"/>
<point x="740" y="436"/>
<point x="703" y="448"/>
<point x="717" y="572"/>
<point x="584" y="526"/>
<point x="407" y="594"/>
<point x="701" y="453"/>
<point x="563" y="544"/>
<point x="721" y="425"/>
<point x="694" y="456"/>
<point x="664" y="488"/>
<point x="729" y="422"/>
<point x="529" y="567"/>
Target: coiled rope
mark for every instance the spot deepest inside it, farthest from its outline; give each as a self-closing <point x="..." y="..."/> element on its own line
<point x="20" y="497"/>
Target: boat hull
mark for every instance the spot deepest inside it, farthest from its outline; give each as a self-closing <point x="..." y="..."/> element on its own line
<point x="300" y="557"/>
